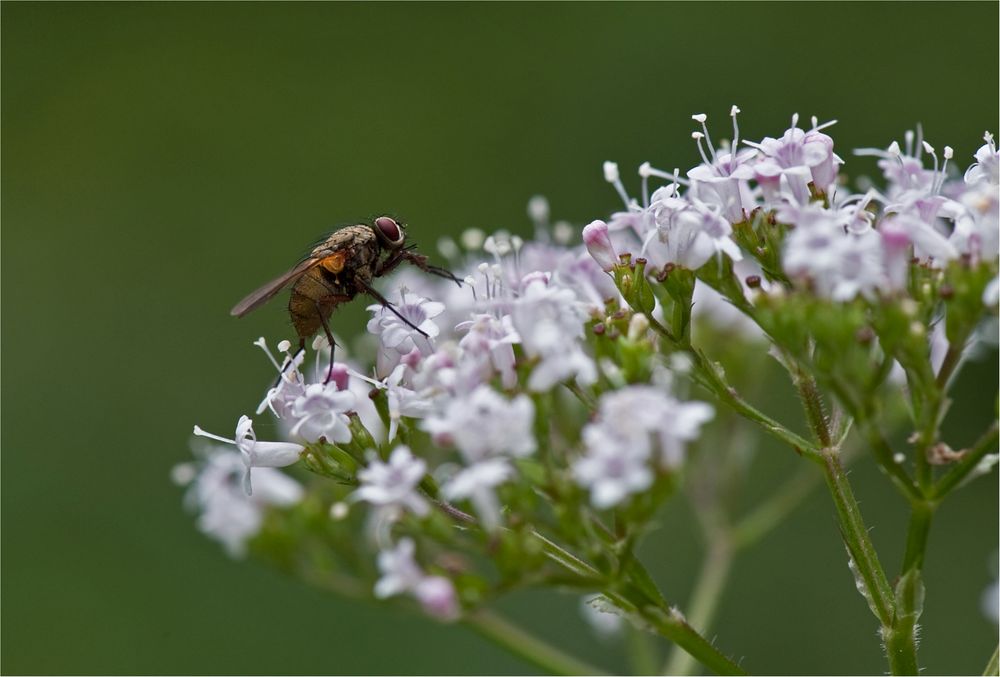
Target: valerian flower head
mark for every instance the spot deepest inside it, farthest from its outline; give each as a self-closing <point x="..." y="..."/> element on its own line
<point x="392" y="486"/>
<point x="256" y="454"/>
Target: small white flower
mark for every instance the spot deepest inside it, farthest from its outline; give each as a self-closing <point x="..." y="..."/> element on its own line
<point x="986" y="168"/>
<point x="257" y="454"/>
<point x="477" y="483"/>
<point x="402" y="575"/>
<point x="549" y="320"/>
<point x="400" y="572"/>
<point x="226" y="512"/>
<point x="485" y="424"/>
<point x="393" y="486"/>
<point x="799" y="157"/>
<point x="321" y="412"/>
<point x="610" y="470"/>
<point x="489" y="343"/>
<point x="991" y="294"/>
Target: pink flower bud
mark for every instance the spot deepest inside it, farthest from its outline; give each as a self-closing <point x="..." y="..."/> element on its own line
<point x="339" y="375"/>
<point x="437" y="598"/>
<point x="595" y="236"/>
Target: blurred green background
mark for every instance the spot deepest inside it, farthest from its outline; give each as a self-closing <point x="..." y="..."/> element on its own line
<point x="160" y="160"/>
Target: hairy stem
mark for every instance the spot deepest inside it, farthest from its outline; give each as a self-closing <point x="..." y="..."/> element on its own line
<point x="855" y="535"/>
<point x="704" y="599"/>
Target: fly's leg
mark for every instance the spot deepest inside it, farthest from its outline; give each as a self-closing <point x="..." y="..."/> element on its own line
<point x="367" y="288"/>
<point x="419" y="260"/>
<point x="329" y="337"/>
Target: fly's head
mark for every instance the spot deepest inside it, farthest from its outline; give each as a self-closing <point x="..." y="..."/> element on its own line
<point x="390" y="232"/>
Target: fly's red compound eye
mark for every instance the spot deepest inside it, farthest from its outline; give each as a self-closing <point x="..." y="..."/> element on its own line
<point x="390" y="229"/>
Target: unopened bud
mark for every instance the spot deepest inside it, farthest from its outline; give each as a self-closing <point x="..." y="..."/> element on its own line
<point x="437" y="598"/>
<point x="595" y="237"/>
<point x="339" y="375"/>
<point x="637" y="327"/>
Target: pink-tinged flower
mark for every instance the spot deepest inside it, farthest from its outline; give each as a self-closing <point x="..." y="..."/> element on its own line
<point x="226" y="513"/>
<point x="485" y="424"/>
<point x="798" y="157"/>
<point x="438" y="598"/>
<point x="595" y="237"/>
<point x="257" y="454"/>
<point x="839" y="265"/>
<point x="636" y="428"/>
<point x="392" y="486"/>
<point x="722" y="172"/>
<point x="397" y="337"/>
<point x="321" y="411"/>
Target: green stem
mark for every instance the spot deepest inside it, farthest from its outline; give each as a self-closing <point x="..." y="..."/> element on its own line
<point x="671" y="624"/>
<point x="961" y="470"/>
<point x="901" y="649"/>
<point x="704" y="599"/>
<point x="993" y="665"/>
<point x="529" y="647"/>
<point x="665" y="621"/>
<point x="642" y="653"/>
<point x="812" y="403"/>
<point x="880" y="447"/>
<point x="710" y="376"/>
<point x="856" y="538"/>
<point x="916" y="535"/>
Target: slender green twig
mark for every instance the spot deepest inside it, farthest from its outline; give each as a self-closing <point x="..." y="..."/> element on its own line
<point x="529" y="647"/>
<point x="665" y="621"/>
<point x="916" y="535"/>
<point x="984" y="445"/>
<point x="993" y="665"/>
<point x="704" y="599"/>
<point x="672" y="625"/>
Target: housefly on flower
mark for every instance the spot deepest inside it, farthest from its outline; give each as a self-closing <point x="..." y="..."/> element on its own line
<point x="338" y="269"/>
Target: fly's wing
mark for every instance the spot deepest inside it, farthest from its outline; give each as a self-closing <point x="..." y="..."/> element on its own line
<point x="261" y="296"/>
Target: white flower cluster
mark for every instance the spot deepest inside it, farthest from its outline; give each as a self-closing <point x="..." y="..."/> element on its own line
<point x="467" y="366"/>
